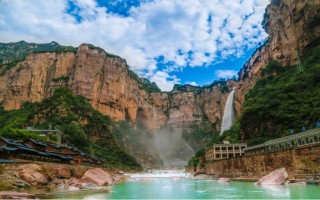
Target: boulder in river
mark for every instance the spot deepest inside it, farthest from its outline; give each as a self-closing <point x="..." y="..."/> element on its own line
<point x="276" y="177"/>
<point x="98" y="177"/>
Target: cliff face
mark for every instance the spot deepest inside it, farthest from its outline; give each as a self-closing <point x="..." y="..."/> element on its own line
<point x="105" y="80"/>
<point x="293" y="27"/>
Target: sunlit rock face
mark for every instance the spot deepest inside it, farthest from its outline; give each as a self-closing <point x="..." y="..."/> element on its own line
<point x="105" y="80"/>
<point x="292" y="26"/>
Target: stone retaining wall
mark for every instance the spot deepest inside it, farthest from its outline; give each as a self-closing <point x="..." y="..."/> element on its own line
<point x="298" y="162"/>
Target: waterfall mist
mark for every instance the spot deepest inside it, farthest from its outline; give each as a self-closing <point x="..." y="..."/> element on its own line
<point x="161" y="148"/>
<point x="173" y="150"/>
<point x="228" y="114"/>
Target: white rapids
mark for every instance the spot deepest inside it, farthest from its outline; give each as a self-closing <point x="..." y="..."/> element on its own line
<point x="166" y="173"/>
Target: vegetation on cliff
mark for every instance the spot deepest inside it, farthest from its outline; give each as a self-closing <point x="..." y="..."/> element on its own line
<point x="14" y="51"/>
<point x="82" y="126"/>
<point x="144" y="83"/>
<point x="284" y="98"/>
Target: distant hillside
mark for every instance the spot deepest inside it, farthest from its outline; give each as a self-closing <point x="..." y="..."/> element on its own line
<point x="14" y="51"/>
<point x="82" y="126"/>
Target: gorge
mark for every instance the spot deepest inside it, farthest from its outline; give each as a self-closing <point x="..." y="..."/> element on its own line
<point x="185" y="118"/>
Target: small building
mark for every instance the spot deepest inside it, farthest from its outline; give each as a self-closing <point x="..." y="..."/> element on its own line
<point x="65" y="150"/>
<point x="9" y="142"/>
<point x="7" y="152"/>
<point x="53" y="148"/>
<point x="224" y="151"/>
<point x="37" y="145"/>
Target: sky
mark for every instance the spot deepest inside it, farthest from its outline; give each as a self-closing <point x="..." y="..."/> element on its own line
<point x="167" y="41"/>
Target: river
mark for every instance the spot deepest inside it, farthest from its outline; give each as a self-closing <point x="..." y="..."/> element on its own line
<point x="180" y="187"/>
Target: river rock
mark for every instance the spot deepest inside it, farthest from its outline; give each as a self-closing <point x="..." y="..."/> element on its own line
<point x="16" y="195"/>
<point x="31" y="174"/>
<point x="298" y="183"/>
<point x="276" y="177"/>
<point x="33" y="178"/>
<point x="57" y="181"/>
<point x="73" y="183"/>
<point x="223" y="180"/>
<point x="78" y="172"/>
<point x="63" y="172"/>
<point x="119" y="178"/>
<point x="31" y="167"/>
<point x="98" y="177"/>
<point x="90" y="186"/>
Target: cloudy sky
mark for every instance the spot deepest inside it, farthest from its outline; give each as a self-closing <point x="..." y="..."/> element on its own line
<point x="167" y="41"/>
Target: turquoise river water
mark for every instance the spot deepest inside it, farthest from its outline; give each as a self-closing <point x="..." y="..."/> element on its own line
<point x="168" y="188"/>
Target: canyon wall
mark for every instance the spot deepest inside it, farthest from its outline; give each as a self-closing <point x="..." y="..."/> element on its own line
<point x="293" y="27"/>
<point x="105" y="80"/>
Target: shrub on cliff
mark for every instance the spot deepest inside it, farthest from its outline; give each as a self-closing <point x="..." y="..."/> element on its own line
<point x="283" y="100"/>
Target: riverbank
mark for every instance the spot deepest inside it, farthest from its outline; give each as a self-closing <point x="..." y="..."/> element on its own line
<point x="300" y="163"/>
<point x="43" y="177"/>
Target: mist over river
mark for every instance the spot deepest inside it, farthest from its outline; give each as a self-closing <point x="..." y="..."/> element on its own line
<point x="167" y="185"/>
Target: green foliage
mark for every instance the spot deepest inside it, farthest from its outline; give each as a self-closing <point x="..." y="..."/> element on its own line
<point x="13" y="53"/>
<point x="224" y="89"/>
<point x="74" y="134"/>
<point x="82" y="126"/>
<point x="283" y="100"/>
<point x="6" y="185"/>
<point x="143" y="83"/>
<point x="8" y="66"/>
<point x="61" y="78"/>
<point x="222" y="82"/>
<point x="20" y="134"/>
<point x="232" y="135"/>
<point x="115" y="157"/>
<point x="63" y="49"/>
<point x="91" y="46"/>
<point x="16" y="51"/>
<point x="124" y="134"/>
<point x="196" y="159"/>
<point x="272" y="68"/>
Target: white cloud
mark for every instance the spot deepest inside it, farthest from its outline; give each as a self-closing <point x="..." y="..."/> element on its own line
<point x="168" y="28"/>
<point x="164" y="80"/>
<point x="192" y="83"/>
<point x="226" y="73"/>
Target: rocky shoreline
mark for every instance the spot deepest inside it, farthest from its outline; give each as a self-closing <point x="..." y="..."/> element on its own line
<point x="54" y="177"/>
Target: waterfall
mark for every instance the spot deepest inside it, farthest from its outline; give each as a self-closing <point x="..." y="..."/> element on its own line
<point x="228" y="114"/>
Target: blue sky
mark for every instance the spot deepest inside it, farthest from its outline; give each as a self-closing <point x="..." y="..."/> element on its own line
<point x="167" y="41"/>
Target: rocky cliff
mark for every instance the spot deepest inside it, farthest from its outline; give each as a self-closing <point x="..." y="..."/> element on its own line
<point x="293" y="28"/>
<point x="112" y="89"/>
